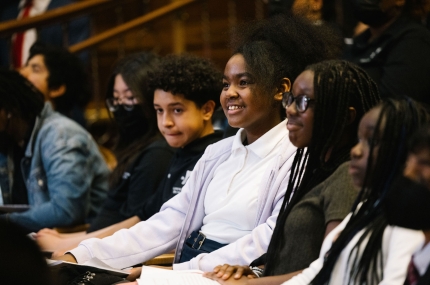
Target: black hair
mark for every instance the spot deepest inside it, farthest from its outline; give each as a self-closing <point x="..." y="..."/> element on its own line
<point x="19" y="252"/>
<point x="195" y="78"/>
<point x="135" y="69"/>
<point x="65" y="69"/>
<point x="420" y="140"/>
<point x="338" y="85"/>
<point x="282" y="46"/>
<point x="19" y="97"/>
<point x="397" y="121"/>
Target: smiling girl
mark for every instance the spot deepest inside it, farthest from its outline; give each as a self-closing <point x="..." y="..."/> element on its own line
<point x="323" y="111"/>
<point x="227" y="209"/>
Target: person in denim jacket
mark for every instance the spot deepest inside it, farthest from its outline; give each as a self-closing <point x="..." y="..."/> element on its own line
<point x="63" y="172"/>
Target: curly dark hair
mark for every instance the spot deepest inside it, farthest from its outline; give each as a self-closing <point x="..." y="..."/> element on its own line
<point x="65" y="69"/>
<point x="195" y="78"/>
<point x="283" y="46"/>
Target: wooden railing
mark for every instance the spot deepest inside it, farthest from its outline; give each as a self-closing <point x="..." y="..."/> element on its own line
<point x="124" y="28"/>
<point x="62" y="14"/>
<point x="110" y="42"/>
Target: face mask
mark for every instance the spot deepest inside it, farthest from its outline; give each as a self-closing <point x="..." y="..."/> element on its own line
<point x="369" y="12"/>
<point x="132" y="124"/>
<point x="408" y="205"/>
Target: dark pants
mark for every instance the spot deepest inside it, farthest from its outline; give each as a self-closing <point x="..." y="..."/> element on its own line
<point x="196" y="244"/>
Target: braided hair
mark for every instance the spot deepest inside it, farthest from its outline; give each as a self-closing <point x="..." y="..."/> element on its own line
<point x="404" y="117"/>
<point x="338" y="85"/>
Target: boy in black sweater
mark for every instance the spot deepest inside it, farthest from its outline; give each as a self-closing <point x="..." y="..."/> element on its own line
<point x="186" y="94"/>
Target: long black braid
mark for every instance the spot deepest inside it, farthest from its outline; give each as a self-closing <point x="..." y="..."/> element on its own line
<point x="397" y="121"/>
<point x="338" y="85"/>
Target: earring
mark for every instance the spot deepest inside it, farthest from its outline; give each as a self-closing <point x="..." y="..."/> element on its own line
<point x="9" y="115"/>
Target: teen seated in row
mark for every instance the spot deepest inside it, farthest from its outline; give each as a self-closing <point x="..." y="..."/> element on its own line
<point x="57" y="169"/>
<point x="364" y="249"/>
<point x="408" y="204"/>
<point x="61" y="77"/>
<point x="327" y="102"/>
<point x="228" y="207"/>
<point x="143" y="156"/>
<point x="184" y="104"/>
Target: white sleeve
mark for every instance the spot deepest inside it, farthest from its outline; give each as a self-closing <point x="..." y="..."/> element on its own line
<point x="147" y="239"/>
<point x="402" y="243"/>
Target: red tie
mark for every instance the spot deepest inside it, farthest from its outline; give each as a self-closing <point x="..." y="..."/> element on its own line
<point x="19" y="37"/>
<point x="413" y="275"/>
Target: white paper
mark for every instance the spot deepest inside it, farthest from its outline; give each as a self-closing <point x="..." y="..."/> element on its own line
<point x="157" y="276"/>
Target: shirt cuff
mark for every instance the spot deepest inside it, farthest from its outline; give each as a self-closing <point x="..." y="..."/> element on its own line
<point x="81" y="254"/>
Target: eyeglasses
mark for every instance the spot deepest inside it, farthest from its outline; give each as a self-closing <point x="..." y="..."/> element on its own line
<point x="302" y="102"/>
<point x="113" y="105"/>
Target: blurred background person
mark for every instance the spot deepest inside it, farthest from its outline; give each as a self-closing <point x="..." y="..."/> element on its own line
<point x="395" y="49"/>
<point x="52" y="163"/>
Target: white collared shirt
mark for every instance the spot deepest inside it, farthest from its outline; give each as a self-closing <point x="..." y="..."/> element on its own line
<point x="30" y="36"/>
<point x="232" y="195"/>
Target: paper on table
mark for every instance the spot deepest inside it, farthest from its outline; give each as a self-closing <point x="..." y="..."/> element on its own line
<point x="156" y="276"/>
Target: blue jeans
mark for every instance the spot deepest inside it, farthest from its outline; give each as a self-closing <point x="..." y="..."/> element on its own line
<point x="196" y="244"/>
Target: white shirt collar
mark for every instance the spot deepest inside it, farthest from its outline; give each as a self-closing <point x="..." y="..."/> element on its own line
<point x="39" y="6"/>
<point x="422" y="259"/>
<point x="265" y="144"/>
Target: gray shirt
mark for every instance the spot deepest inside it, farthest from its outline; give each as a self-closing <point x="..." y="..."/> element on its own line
<point x="306" y="224"/>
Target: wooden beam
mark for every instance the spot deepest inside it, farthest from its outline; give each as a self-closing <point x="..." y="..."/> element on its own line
<point x="61" y="14"/>
<point x="107" y="35"/>
<point x="178" y="31"/>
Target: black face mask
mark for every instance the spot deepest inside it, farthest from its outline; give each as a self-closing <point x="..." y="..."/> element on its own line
<point x="408" y="205"/>
<point x="369" y="12"/>
<point x="132" y="124"/>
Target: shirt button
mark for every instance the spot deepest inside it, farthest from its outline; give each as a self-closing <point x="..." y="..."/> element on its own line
<point x="40" y="182"/>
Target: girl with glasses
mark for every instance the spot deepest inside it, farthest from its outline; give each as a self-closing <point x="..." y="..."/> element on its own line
<point x="365" y="248"/>
<point x="323" y="110"/>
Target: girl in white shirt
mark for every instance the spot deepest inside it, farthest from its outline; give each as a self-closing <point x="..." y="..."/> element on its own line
<point x="227" y="209"/>
<point x="364" y="249"/>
